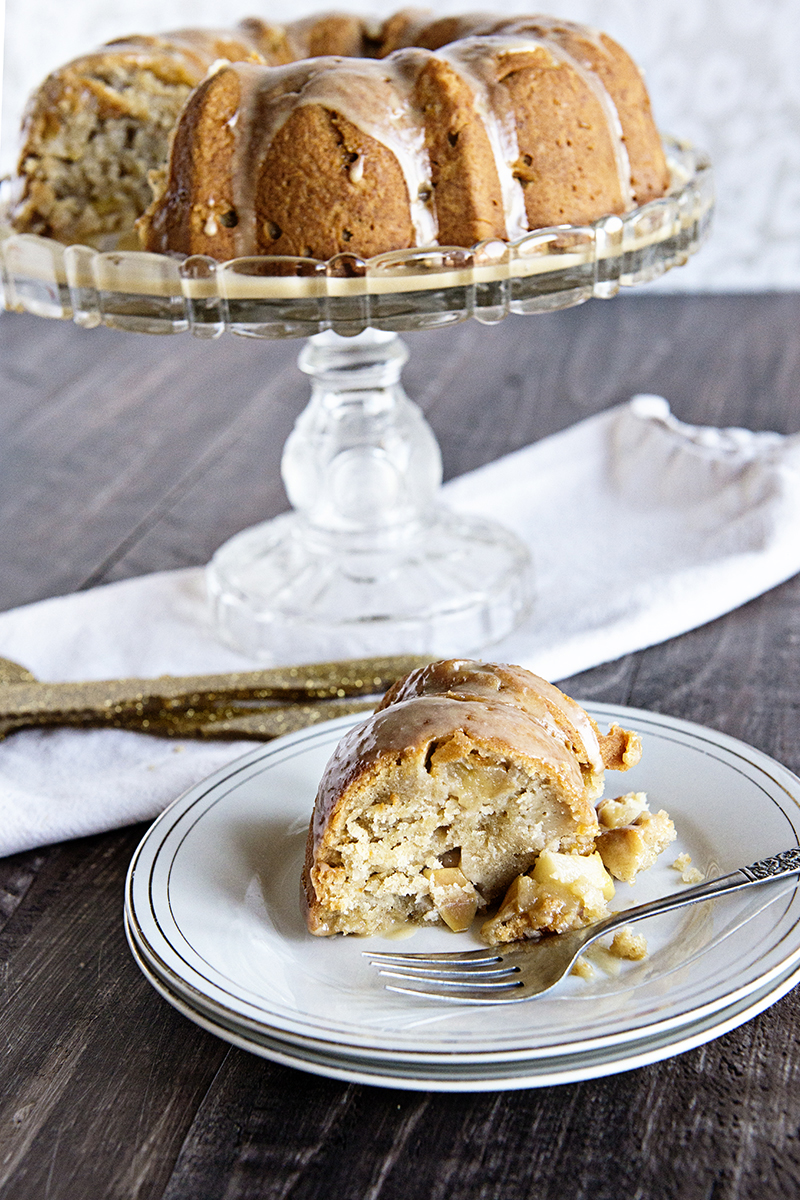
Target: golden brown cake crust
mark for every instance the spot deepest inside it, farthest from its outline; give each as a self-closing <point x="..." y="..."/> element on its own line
<point x="515" y="125"/>
<point x="411" y="727"/>
<point x="309" y="169"/>
<point x="618" y="73"/>
<point x="200" y="166"/>
<point x="328" y="33"/>
<point x="469" y="200"/>
<point x="556" y="712"/>
<point x="566" y="163"/>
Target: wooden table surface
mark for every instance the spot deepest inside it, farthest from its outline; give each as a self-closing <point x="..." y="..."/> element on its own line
<point x="124" y="454"/>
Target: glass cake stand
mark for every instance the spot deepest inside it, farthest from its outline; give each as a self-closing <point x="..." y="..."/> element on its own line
<point x="369" y="561"/>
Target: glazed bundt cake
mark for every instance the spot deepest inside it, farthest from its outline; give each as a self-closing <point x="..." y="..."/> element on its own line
<point x="463" y="779"/>
<point x="522" y="124"/>
<point x="329" y="136"/>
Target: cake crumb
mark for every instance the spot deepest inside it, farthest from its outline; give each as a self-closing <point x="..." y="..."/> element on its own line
<point x="562" y="891"/>
<point x="622" y="810"/>
<point x="689" y="874"/>
<point x="627" y="944"/>
<point x="631" y="837"/>
<point x="582" y="968"/>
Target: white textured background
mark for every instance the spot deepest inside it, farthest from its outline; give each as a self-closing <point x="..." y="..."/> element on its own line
<point x="723" y="73"/>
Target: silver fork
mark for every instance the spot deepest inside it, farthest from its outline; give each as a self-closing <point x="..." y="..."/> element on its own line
<point x="521" y="970"/>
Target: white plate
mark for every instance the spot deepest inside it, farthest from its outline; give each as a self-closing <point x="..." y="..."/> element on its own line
<point x="480" y="1077"/>
<point x="212" y="904"/>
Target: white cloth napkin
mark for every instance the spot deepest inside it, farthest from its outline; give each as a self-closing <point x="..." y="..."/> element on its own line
<point x="641" y="528"/>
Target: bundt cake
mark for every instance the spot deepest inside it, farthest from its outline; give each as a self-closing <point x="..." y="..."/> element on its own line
<point x="466" y="776"/>
<point x="328" y="136"/>
<point x="520" y="125"/>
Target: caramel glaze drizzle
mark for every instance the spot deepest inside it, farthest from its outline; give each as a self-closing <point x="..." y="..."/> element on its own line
<point x="377" y="97"/>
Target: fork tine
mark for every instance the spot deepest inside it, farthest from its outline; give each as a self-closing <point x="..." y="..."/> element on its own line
<point x="465" y="979"/>
<point x="467" y="956"/>
<point x="447" y="971"/>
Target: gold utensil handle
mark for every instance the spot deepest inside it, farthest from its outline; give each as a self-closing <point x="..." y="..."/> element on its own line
<point x="133" y="701"/>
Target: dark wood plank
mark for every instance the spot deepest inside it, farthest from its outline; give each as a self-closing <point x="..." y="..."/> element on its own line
<point x="738" y="674"/>
<point x="107" y="451"/>
<point x="100" y="1077"/>
<point x="165" y="447"/>
<point x="122" y="454"/>
<point x="742" y="675"/>
<point x="715" y="1122"/>
<point x="17" y="873"/>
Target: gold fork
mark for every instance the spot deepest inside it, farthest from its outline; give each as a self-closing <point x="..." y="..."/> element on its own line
<point x="244" y="704"/>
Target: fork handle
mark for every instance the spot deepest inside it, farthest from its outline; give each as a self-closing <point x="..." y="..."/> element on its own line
<point x="767" y="870"/>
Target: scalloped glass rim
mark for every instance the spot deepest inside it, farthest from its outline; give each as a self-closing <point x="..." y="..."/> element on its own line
<point x="276" y="297"/>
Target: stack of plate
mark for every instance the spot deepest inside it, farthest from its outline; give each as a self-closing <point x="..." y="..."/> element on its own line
<point x="212" y="914"/>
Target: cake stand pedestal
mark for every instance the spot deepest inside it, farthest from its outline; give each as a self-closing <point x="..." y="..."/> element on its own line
<point x="370" y="558"/>
<point x="369" y="562"/>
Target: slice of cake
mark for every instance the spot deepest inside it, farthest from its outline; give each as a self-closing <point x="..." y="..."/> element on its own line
<point x="466" y="777"/>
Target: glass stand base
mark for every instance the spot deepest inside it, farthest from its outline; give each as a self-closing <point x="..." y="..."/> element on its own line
<point x="450" y="587"/>
<point x="369" y="562"/>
